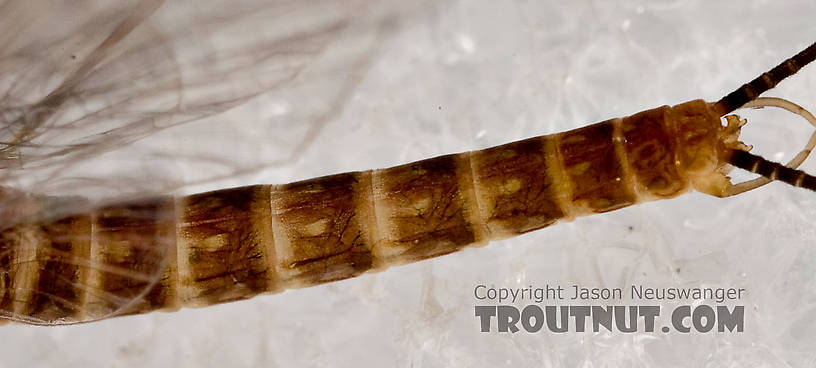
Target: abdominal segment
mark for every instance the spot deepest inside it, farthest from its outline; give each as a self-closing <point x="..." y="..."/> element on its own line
<point x="224" y="238"/>
<point x="324" y="229"/>
<point x="116" y="260"/>
<point x="515" y="188"/>
<point x="162" y="253"/>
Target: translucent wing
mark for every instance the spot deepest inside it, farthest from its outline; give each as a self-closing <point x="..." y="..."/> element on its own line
<point x="81" y="84"/>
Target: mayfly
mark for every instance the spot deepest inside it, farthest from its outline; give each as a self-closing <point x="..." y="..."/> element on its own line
<point x="165" y="253"/>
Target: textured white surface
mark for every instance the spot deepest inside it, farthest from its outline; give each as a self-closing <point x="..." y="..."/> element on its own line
<point x="473" y="74"/>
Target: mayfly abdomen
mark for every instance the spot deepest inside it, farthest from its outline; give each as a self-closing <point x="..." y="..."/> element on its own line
<point x="324" y="229"/>
<point x="44" y="264"/>
<point x="515" y="186"/>
<point x="58" y="292"/>
<point x="426" y="209"/>
<point x="224" y="241"/>
<point x="115" y="260"/>
<point x="595" y="173"/>
<point x="650" y="148"/>
<point x="233" y="244"/>
<point x="132" y="258"/>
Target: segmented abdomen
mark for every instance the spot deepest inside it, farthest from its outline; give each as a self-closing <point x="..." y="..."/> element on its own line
<point x="233" y="244"/>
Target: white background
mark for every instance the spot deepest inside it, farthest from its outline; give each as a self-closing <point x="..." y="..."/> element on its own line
<point x="472" y="74"/>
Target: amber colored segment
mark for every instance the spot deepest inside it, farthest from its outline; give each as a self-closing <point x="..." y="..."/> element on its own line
<point x="697" y="132"/>
<point x="6" y="275"/>
<point x="514" y="190"/>
<point x="18" y="268"/>
<point x="132" y="258"/>
<point x="650" y="150"/>
<point x="44" y="265"/>
<point x="594" y="169"/>
<point x="63" y="268"/>
<point x="426" y="209"/>
<point x="323" y="228"/>
<point x="224" y="245"/>
<point x="8" y="244"/>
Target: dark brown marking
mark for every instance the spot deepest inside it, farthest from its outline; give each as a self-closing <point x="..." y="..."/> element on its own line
<point x="9" y="239"/>
<point x="223" y="230"/>
<point x="697" y="133"/>
<point x="772" y="170"/>
<point x="765" y="81"/>
<point x="325" y="232"/>
<point x="134" y="243"/>
<point x="513" y="187"/>
<point x="19" y="263"/>
<point x="43" y="260"/>
<point x="426" y="213"/>
<point x="593" y="167"/>
<point x="64" y="268"/>
<point x="650" y="148"/>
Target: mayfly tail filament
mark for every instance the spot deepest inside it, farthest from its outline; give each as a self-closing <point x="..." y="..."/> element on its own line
<point x="751" y="90"/>
<point x="747" y="95"/>
<point x="737" y="158"/>
<point x="772" y="170"/>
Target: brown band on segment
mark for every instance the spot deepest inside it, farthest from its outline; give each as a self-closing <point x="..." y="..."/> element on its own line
<point x="44" y="260"/>
<point x="132" y="252"/>
<point x="19" y="268"/>
<point x="628" y="180"/>
<point x="7" y="287"/>
<point x="467" y="190"/>
<point x="592" y="166"/>
<point x="561" y="184"/>
<point x="515" y="191"/>
<point x="694" y="126"/>
<point x="650" y="149"/>
<point x="322" y="228"/>
<point x="224" y="242"/>
<point x="64" y="269"/>
<point x="423" y="211"/>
